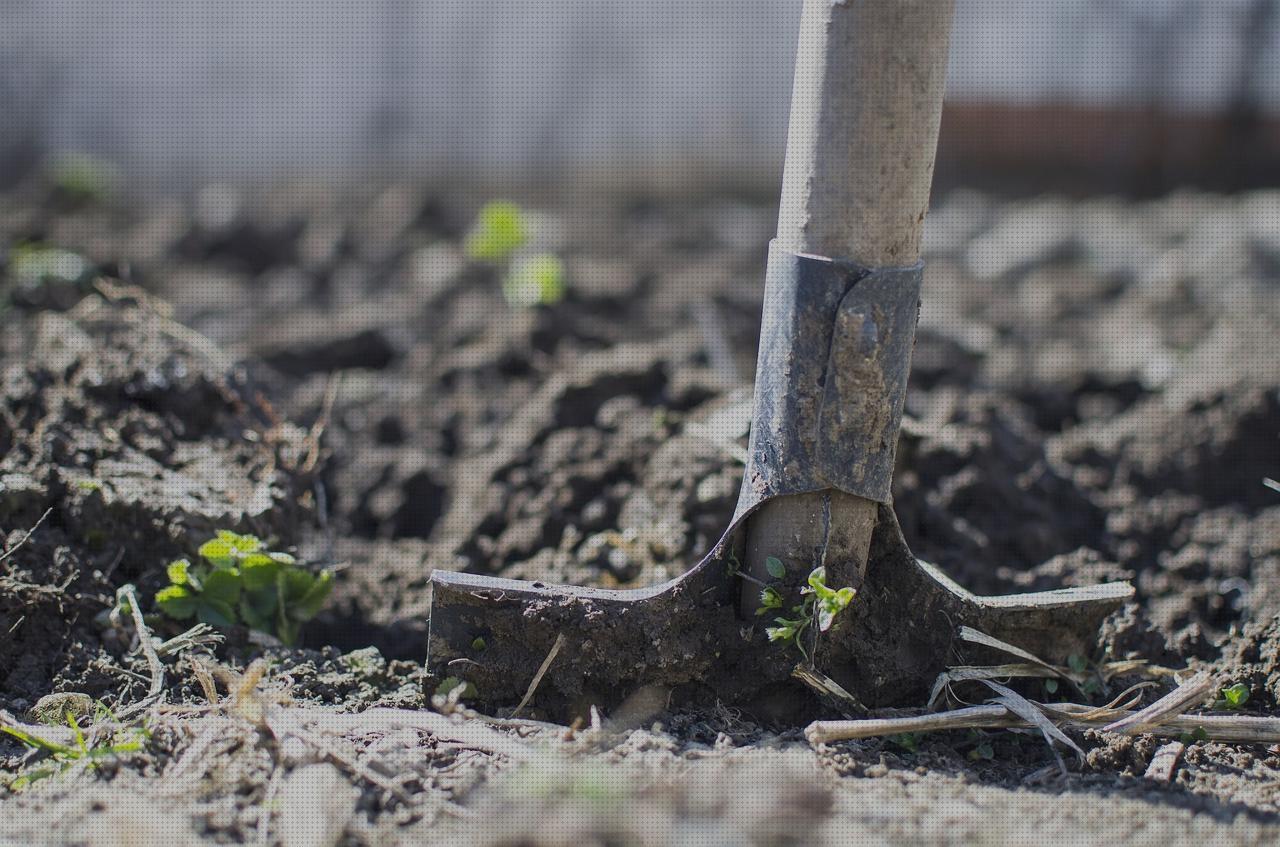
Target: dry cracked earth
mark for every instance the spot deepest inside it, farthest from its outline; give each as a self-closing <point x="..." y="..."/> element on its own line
<point x="1095" y="396"/>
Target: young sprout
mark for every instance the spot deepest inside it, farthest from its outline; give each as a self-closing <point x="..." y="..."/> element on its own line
<point x="821" y="604"/>
<point x="83" y="178"/>
<point x="1235" y="696"/>
<point x="500" y="229"/>
<point x="535" y="281"/>
<point x="238" y="581"/>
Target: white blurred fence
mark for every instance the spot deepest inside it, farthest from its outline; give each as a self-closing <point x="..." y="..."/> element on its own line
<point x="196" y="89"/>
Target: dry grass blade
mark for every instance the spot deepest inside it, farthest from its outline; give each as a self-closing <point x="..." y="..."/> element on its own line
<point x="972" y="673"/>
<point x="1191" y="693"/>
<point x="537" y="677"/>
<point x="1231" y="729"/>
<point x="27" y="536"/>
<point x="973" y="636"/>
<point x="148" y="649"/>
<point x="1033" y="714"/>
<point x="828" y="688"/>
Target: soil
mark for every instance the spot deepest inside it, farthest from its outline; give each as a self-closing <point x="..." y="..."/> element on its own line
<point x="1095" y="396"/>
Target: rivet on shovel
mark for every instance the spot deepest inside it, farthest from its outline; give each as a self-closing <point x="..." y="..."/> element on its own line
<point x="840" y="309"/>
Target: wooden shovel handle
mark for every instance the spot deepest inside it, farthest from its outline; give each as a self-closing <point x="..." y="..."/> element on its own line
<point x="865" y="108"/>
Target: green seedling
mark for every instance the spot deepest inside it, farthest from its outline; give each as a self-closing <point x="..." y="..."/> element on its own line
<point x="81" y="752"/>
<point x="821" y="604"/>
<point x="982" y="749"/>
<point x="535" y="281"/>
<point x="908" y="741"/>
<point x="1196" y="735"/>
<point x="770" y="599"/>
<point x="236" y="580"/>
<point x="33" y="263"/>
<point x="500" y="229"/>
<point x="1234" y="697"/>
<point x="450" y="684"/>
<point x="83" y="178"/>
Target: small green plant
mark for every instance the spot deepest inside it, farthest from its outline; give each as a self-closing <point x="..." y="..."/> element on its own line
<point x="982" y="750"/>
<point x="499" y="230"/>
<point x="83" y="178"/>
<point x="238" y="581"/>
<point x="1234" y="697"/>
<point x="908" y="741"/>
<point x="1196" y="735"/>
<point x="820" y="604"/>
<point x="80" y="752"/>
<point x="535" y="281"/>
<point x="770" y="599"/>
<point x="33" y="263"/>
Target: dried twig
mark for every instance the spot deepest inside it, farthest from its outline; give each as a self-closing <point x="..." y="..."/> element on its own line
<point x="1189" y="694"/>
<point x="537" y="677"/>
<point x="1165" y="762"/>
<point x="148" y="650"/>
<point x="1033" y="715"/>
<point x="829" y="689"/>
<point x="1237" y="729"/>
<point x="27" y="537"/>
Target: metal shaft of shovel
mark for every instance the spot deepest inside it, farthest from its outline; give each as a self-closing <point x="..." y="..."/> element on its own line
<point x="865" y="110"/>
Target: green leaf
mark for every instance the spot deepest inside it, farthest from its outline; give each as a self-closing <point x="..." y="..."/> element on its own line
<point x="219" y="552"/>
<point x="1236" y="695"/>
<point x="1077" y="663"/>
<point x="310" y="603"/>
<point x="982" y="751"/>
<point x="293" y="584"/>
<point x="176" y="602"/>
<point x="222" y="586"/>
<point x="769" y="599"/>
<point x="786" y="630"/>
<point x="243" y="543"/>
<point x="177" y="571"/>
<point x="478" y="644"/>
<point x="831" y="603"/>
<point x="36" y="741"/>
<point x="215" y="612"/>
<point x="774" y="566"/>
<point x="449" y="683"/>
<point x="258" y="608"/>
<point x="498" y="232"/>
<point x="818" y="583"/>
<point x="1051" y="686"/>
<point x="259" y="570"/>
<point x="282" y="558"/>
<point x="1198" y="734"/>
<point x="535" y="281"/>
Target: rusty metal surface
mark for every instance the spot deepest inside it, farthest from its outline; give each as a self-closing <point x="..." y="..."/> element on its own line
<point x="831" y="376"/>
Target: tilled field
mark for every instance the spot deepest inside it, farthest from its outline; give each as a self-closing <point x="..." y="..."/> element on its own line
<point x="1095" y="396"/>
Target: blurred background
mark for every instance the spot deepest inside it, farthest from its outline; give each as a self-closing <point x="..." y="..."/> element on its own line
<point x="1129" y="96"/>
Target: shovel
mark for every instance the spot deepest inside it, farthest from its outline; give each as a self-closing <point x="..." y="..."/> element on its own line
<point x="841" y="303"/>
